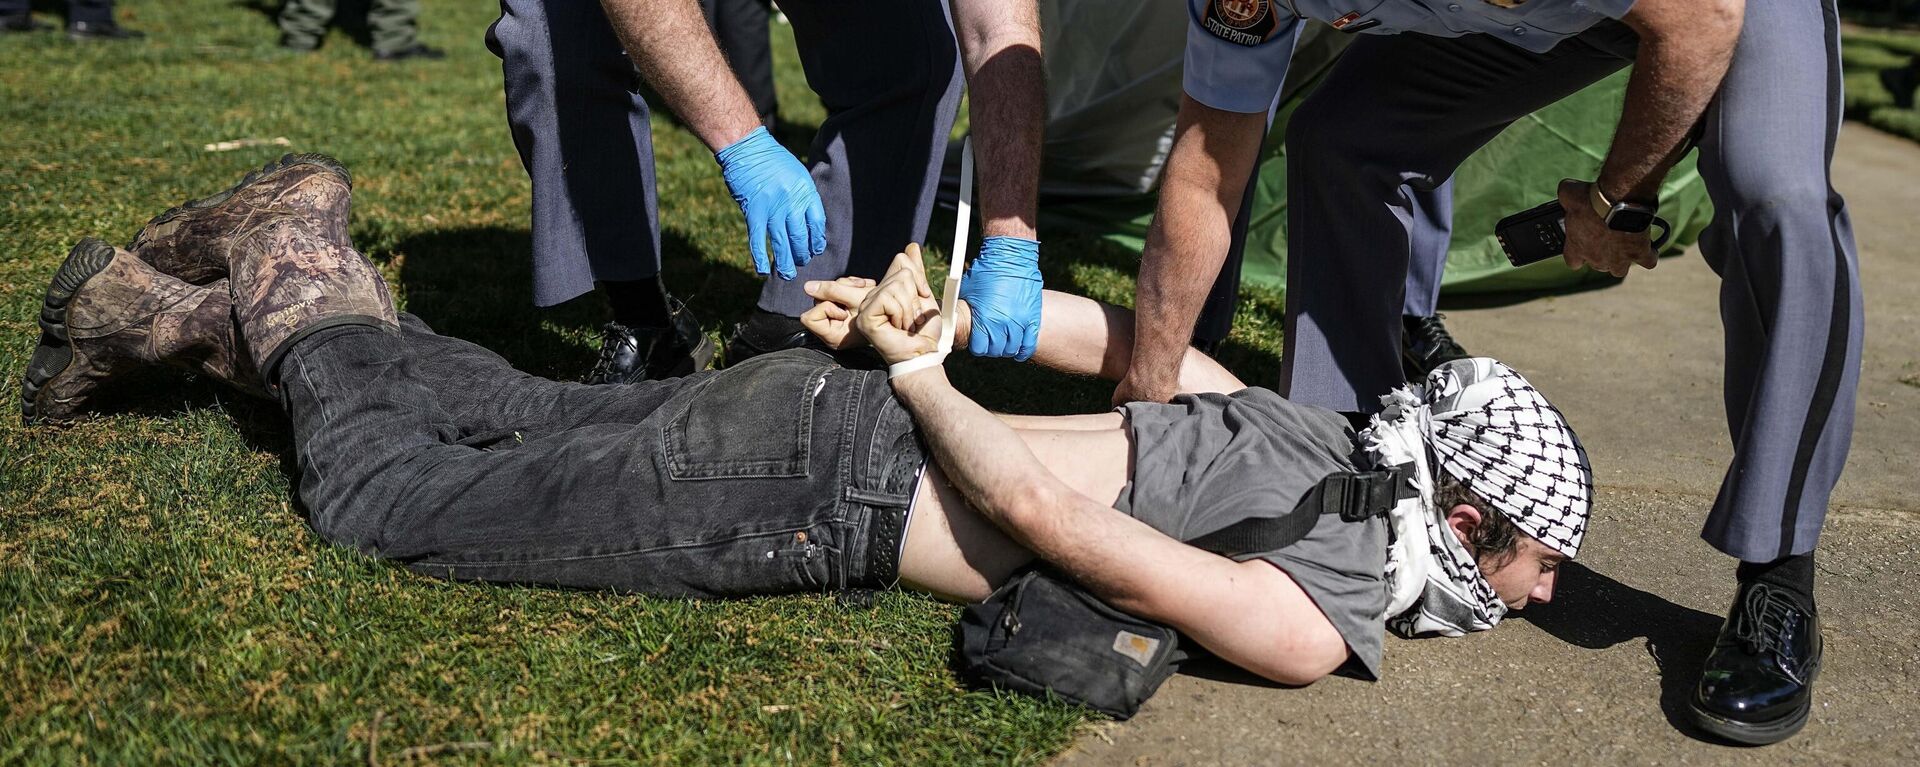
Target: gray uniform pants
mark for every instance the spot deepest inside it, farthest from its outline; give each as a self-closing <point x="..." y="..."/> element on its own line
<point x="888" y="72"/>
<point x="1404" y="111"/>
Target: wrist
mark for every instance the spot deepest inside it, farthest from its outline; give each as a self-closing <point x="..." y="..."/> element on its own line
<point x="740" y="141"/>
<point x="1009" y="246"/>
<point x="1629" y="216"/>
<point x="914" y="385"/>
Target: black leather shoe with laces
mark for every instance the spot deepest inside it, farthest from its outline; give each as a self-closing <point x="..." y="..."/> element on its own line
<point x="762" y="333"/>
<point x="631" y="355"/>
<point x="101" y="30"/>
<point x="1757" y="686"/>
<point x="1425" y="344"/>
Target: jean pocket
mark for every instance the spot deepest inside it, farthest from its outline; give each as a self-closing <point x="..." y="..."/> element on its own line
<point x="753" y="421"/>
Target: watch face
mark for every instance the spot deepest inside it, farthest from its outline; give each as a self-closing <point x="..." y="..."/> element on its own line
<point x="1629" y="219"/>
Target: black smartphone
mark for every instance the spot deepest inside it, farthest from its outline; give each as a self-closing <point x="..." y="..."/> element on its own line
<point x="1533" y="235"/>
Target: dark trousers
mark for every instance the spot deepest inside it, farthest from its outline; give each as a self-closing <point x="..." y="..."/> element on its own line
<point x="888" y="72"/>
<point x="785" y="473"/>
<point x="91" y="11"/>
<point x="1401" y="112"/>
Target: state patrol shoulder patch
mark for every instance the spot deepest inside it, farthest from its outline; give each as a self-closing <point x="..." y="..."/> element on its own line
<point x="1241" y="22"/>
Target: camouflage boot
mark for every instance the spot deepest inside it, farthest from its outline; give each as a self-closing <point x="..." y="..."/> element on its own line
<point x="107" y="312"/>
<point x="288" y="281"/>
<point x="191" y="241"/>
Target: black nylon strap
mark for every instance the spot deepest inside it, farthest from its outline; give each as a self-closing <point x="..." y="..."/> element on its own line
<point x="1355" y="496"/>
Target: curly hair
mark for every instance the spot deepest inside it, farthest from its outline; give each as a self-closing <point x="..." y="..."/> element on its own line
<point x="1495" y="541"/>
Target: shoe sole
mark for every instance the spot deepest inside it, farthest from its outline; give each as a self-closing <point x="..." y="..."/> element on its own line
<point x="271" y="169"/>
<point x="1752" y="733"/>
<point x="1756" y="733"/>
<point x="55" y="353"/>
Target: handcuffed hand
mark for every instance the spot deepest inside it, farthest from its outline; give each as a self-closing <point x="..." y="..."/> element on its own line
<point x="780" y="202"/>
<point x="831" y="320"/>
<point x="1591" y="243"/>
<point x="899" y="316"/>
<point x="1003" y="287"/>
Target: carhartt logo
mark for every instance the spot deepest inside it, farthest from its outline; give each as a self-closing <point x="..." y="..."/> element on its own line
<point x="1137" y="648"/>
<point x="1506" y="3"/>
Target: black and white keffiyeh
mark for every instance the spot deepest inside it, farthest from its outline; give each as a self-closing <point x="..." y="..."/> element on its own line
<point x="1484" y="425"/>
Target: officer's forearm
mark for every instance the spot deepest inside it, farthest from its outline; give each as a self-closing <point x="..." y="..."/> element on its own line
<point x="674" y="50"/>
<point x="1213" y="153"/>
<point x="1685" y="47"/>
<point x="1007" y="108"/>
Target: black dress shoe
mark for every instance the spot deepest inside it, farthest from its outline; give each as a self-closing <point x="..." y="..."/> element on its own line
<point x="1757" y="686"/>
<point x="414" y="51"/>
<point x="765" y="332"/>
<point x="1425" y="344"/>
<point x="101" y="30"/>
<point x="23" y="22"/>
<point x="632" y="355"/>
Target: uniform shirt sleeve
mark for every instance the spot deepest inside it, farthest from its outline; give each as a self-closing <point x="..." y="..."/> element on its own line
<point x="1236" y="60"/>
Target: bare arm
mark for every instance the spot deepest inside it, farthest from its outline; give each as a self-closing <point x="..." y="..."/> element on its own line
<point x="670" y="43"/>
<point x="1000" y="46"/>
<point x="1249" y="613"/>
<point x="1685" y="48"/>
<point x="1079" y="336"/>
<point x="1213" y="153"/>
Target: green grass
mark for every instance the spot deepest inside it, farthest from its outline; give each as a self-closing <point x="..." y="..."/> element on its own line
<point x="1865" y="53"/>
<point x="161" y="599"/>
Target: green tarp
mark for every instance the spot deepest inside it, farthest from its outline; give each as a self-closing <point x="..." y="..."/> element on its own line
<point x="1518" y="170"/>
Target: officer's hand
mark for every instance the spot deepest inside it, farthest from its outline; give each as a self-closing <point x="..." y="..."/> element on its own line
<point x="832" y="318"/>
<point x="899" y="316"/>
<point x="1003" y="287"/>
<point x="1591" y="243"/>
<point x="777" y="196"/>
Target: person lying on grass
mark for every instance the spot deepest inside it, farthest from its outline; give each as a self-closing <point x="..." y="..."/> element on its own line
<point x="791" y="472"/>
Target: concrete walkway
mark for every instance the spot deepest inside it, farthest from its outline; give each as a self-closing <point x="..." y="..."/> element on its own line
<point x="1600" y="676"/>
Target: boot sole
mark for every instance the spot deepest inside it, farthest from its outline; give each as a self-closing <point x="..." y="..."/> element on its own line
<point x="55" y="353"/>
<point x="271" y="169"/>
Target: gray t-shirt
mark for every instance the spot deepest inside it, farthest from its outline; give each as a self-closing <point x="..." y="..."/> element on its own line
<point x="1206" y="461"/>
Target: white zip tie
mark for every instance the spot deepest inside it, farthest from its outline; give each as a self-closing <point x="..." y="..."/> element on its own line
<point x="956" y="266"/>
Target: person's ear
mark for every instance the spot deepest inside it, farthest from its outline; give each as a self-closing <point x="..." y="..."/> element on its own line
<point x="1464" y="519"/>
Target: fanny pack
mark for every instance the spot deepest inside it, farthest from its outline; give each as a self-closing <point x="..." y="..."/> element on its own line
<point x="1044" y="635"/>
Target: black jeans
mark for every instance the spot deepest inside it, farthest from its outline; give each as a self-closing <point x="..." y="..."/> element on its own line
<point x="786" y="473"/>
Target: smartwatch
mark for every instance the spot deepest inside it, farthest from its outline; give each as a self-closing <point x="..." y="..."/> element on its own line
<point x="1622" y="216"/>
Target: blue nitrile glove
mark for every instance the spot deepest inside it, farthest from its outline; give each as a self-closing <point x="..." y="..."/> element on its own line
<point x="1002" y="287"/>
<point x="776" y="193"/>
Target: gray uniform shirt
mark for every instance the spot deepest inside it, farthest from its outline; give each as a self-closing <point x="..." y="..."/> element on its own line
<point x="1206" y="461"/>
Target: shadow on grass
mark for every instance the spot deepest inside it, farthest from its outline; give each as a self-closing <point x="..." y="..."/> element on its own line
<point x="1597" y="612"/>
<point x="477" y="284"/>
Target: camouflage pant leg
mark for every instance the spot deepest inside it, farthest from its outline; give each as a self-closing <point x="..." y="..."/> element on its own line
<point x="393" y="24"/>
<point x="304" y="22"/>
